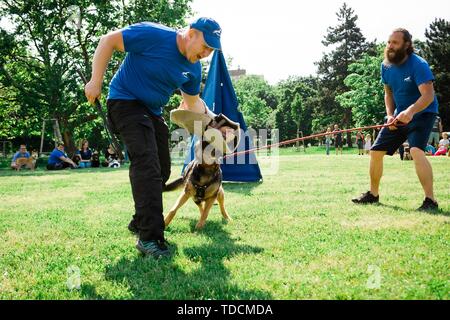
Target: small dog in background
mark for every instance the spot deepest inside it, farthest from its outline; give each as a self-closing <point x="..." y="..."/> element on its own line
<point x="76" y="159"/>
<point x="95" y="163"/>
<point x="29" y="163"/>
<point x="407" y="154"/>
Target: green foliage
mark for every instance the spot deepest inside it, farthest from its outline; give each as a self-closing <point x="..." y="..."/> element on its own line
<point x="366" y="95"/>
<point x="349" y="45"/>
<point x="256" y="100"/>
<point x="295" y="106"/>
<point x="437" y="53"/>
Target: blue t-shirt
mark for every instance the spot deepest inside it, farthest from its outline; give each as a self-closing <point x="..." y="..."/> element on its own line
<point x="153" y="67"/>
<point x="19" y="154"/>
<point x="55" y="156"/>
<point x="404" y="81"/>
<point x="85" y="155"/>
<point x="431" y="149"/>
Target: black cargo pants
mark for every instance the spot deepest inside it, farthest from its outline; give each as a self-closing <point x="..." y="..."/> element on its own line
<point x="146" y="137"/>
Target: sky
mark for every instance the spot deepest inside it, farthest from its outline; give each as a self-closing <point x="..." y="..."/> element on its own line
<point x="278" y="38"/>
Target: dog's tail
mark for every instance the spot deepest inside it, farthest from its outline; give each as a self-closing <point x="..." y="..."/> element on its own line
<point x="173" y="185"/>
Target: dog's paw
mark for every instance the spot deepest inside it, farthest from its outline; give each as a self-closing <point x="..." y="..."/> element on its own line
<point x="226" y="220"/>
<point x="200" y="225"/>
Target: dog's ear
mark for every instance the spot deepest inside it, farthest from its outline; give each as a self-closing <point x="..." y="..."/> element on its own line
<point x="221" y="120"/>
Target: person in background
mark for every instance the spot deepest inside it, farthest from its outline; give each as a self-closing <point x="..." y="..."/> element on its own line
<point x="443" y="145"/>
<point x="430" y="150"/>
<point x="368" y="144"/>
<point x="360" y="142"/>
<point x="84" y="154"/>
<point x="110" y="156"/>
<point x="328" y="140"/>
<point x="337" y="139"/>
<point x="22" y="153"/>
<point x="435" y="132"/>
<point x="58" y="159"/>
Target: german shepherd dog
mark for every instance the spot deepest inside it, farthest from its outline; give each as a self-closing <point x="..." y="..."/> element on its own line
<point x="202" y="181"/>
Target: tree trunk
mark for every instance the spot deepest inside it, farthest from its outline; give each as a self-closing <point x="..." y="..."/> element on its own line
<point x="68" y="141"/>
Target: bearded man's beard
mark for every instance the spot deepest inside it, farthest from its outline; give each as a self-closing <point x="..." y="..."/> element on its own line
<point x="395" y="56"/>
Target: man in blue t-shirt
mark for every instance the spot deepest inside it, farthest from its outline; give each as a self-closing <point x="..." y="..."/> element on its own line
<point x="22" y="153"/>
<point x="58" y="159"/>
<point x="411" y="108"/>
<point x="159" y="61"/>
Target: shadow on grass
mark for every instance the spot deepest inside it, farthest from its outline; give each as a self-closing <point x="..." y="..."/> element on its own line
<point x="244" y="188"/>
<point x="439" y="212"/>
<point x="390" y="206"/>
<point x="202" y="276"/>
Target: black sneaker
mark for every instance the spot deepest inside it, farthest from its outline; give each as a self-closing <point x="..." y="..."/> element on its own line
<point x="133" y="228"/>
<point x="154" y="248"/>
<point x="366" y="198"/>
<point x="428" y="205"/>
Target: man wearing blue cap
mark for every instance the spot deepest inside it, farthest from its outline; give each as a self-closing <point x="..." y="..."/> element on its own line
<point x="159" y="61"/>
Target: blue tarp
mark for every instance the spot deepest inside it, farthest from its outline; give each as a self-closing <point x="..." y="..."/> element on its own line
<point x="220" y="97"/>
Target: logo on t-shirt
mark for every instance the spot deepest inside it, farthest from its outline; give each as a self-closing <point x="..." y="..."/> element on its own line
<point x="185" y="74"/>
<point x="218" y="32"/>
<point x="408" y="79"/>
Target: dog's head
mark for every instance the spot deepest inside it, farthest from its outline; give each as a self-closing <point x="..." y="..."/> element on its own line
<point x="223" y="134"/>
<point x="95" y="156"/>
<point x="76" y="159"/>
<point x="34" y="155"/>
<point x="220" y="131"/>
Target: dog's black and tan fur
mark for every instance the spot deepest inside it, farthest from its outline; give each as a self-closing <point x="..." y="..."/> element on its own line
<point x="202" y="181"/>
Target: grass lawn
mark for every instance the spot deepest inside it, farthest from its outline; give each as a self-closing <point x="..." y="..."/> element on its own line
<point x="294" y="236"/>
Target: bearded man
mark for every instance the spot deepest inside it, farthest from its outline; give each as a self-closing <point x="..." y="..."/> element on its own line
<point x="410" y="101"/>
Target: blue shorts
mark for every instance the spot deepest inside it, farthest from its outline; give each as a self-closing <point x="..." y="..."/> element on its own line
<point x="417" y="133"/>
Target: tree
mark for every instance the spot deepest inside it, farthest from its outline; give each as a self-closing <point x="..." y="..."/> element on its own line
<point x="295" y="106"/>
<point x="256" y="100"/>
<point x="437" y="53"/>
<point x="366" y="95"/>
<point x="333" y="67"/>
<point x="53" y="38"/>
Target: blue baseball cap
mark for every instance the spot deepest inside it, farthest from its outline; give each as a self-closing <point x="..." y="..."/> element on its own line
<point x="211" y="31"/>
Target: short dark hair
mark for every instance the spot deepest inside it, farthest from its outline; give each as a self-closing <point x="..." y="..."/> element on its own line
<point x="60" y="144"/>
<point x="407" y="37"/>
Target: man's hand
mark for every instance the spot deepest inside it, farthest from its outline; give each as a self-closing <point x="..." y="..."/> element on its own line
<point x="405" y="116"/>
<point x="391" y="119"/>
<point x="92" y="91"/>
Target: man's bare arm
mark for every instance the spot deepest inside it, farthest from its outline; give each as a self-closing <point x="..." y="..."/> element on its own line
<point x="108" y="43"/>
<point x="426" y="97"/>
<point x="389" y="101"/>
<point x="195" y="104"/>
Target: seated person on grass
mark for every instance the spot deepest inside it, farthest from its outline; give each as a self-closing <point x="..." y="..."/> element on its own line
<point x="58" y="160"/>
<point x="22" y="153"/>
<point x="84" y="155"/>
<point x="443" y="145"/>
<point x="111" y="158"/>
<point x="430" y="150"/>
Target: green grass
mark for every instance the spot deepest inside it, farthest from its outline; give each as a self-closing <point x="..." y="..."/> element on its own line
<point x="294" y="236"/>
